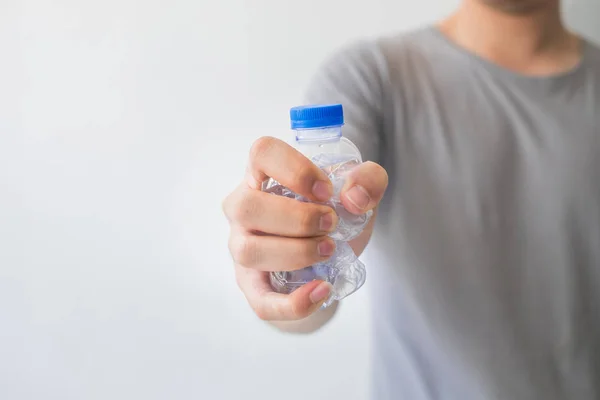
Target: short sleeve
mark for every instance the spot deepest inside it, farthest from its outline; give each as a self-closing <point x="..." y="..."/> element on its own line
<point x="352" y="78"/>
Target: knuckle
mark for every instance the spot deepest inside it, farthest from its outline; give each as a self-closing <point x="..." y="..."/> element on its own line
<point x="243" y="249"/>
<point x="304" y="175"/>
<point x="262" y="146"/>
<point x="230" y="204"/>
<point x="303" y="252"/>
<point x="307" y="220"/>
<point x="246" y="206"/>
<point x="227" y="205"/>
<point x="382" y="173"/>
<point x="298" y="312"/>
<point x="260" y="312"/>
<point x="233" y="246"/>
<point x="239" y="280"/>
<point x="378" y="170"/>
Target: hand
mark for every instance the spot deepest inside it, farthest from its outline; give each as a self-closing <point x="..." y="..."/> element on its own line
<point x="274" y="233"/>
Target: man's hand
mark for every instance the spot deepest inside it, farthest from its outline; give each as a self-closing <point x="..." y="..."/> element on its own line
<point x="274" y="233"/>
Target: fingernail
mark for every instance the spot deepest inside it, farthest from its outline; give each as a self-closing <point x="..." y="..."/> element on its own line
<point x="322" y="190"/>
<point x="359" y="197"/>
<point x="320" y="293"/>
<point x="326" y="222"/>
<point x="326" y="248"/>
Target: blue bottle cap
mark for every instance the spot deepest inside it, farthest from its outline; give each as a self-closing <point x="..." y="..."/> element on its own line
<point x="317" y="116"/>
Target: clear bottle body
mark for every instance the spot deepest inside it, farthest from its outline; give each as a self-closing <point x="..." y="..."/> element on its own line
<point x="336" y="156"/>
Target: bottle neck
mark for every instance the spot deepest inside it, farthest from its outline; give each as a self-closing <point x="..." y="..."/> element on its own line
<point x="319" y="135"/>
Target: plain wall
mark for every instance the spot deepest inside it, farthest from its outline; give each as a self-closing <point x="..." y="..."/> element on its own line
<point x="123" y="124"/>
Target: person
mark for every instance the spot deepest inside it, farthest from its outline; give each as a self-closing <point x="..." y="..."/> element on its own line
<point x="485" y="255"/>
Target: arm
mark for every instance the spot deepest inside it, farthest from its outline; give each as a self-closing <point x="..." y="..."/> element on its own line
<point x="269" y="232"/>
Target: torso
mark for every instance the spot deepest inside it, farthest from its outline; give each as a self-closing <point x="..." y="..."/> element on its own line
<point x="487" y="283"/>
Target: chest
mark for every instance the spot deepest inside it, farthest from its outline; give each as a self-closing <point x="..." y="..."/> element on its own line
<point x="482" y="139"/>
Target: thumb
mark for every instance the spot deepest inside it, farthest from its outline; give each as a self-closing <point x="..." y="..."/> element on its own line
<point x="364" y="187"/>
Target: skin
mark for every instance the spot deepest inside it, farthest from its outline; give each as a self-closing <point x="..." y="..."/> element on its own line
<point x="270" y="233"/>
<point x="516" y="6"/>
<point x="527" y="37"/>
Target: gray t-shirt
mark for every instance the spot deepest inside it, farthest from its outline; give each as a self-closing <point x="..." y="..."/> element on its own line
<point x="485" y="267"/>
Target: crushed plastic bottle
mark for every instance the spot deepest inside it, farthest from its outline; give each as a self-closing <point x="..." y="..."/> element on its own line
<point x="336" y="167"/>
<point x="319" y="137"/>
<point x="343" y="270"/>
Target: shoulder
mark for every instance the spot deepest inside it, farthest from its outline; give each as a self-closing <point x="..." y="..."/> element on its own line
<point x="378" y="53"/>
<point x="371" y="61"/>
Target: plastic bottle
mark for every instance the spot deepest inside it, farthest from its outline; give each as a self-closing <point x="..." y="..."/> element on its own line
<point x="318" y="135"/>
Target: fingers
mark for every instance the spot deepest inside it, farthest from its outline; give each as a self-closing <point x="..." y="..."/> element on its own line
<point x="276" y="215"/>
<point x="271" y="306"/>
<point x="274" y="233"/>
<point x="276" y="253"/>
<point x="364" y="187"/>
<point x="270" y="157"/>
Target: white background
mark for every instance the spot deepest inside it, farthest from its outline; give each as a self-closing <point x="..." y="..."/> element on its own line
<point x="123" y="124"/>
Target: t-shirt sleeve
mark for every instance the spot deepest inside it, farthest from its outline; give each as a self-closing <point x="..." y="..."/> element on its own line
<point x="352" y="78"/>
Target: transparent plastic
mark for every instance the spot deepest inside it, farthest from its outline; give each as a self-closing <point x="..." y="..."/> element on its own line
<point x="336" y="156"/>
